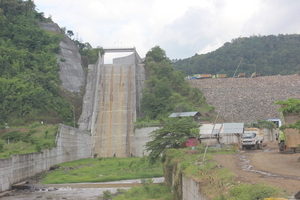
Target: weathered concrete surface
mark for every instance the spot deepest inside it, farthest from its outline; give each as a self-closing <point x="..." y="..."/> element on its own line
<point x="111" y="105"/>
<point x="141" y="137"/>
<point x="71" y="70"/>
<point x="191" y="189"/>
<point x="117" y="113"/>
<point x="72" y="144"/>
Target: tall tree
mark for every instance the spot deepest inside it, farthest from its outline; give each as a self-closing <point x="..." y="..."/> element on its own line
<point x="173" y="134"/>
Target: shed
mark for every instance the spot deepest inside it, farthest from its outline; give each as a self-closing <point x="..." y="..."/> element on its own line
<point x="196" y="115"/>
<point x="230" y="133"/>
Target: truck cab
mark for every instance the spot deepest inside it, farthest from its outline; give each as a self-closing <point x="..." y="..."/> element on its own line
<point x="252" y="139"/>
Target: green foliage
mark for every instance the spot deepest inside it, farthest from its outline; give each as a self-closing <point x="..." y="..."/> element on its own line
<point x="2" y="144"/>
<point x="30" y="141"/>
<point x="291" y="105"/>
<point x="173" y="134"/>
<point x="153" y="191"/>
<point x="12" y="136"/>
<point x="29" y="79"/>
<point x="165" y="89"/>
<point x="251" y="192"/>
<point x="92" y="54"/>
<point x="268" y="55"/>
<point x="103" y="170"/>
<point x="107" y="194"/>
<point x="263" y="124"/>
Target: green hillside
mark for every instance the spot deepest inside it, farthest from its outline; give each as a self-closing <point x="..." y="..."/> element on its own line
<point x="29" y="78"/>
<point x="166" y="91"/>
<point x="267" y="55"/>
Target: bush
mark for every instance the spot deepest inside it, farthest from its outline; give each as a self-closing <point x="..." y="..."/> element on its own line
<point x="12" y="136"/>
<point x="251" y="192"/>
<point x="2" y="144"/>
<point x="107" y="194"/>
<point x="34" y="125"/>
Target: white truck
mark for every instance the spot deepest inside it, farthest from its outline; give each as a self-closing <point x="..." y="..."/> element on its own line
<point x="252" y="138"/>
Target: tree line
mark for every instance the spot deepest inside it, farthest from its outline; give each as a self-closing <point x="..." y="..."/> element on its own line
<point x="267" y="55"/>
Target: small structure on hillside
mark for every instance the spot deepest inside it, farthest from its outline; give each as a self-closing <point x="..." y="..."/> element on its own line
<point x="196" y="115"/>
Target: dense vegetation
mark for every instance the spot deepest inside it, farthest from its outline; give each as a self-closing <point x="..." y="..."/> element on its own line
<point x="165" y="89"/>
<point x="33" y="139"/>
<point x="290" y="106"/>
<point x="267" y="55"/>
<point x="173" y="134"/>
<point x="29" y="79"/>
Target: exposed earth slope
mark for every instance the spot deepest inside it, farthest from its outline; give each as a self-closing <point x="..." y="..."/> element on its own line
<point x="265" y="166"/>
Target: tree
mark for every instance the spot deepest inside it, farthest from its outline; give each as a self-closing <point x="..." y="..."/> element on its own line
<point x="70" y="33"/>
<point x="173" y="134"/>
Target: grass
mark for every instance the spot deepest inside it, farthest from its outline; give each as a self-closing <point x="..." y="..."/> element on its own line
<point x="103" y="170"/>
<point x="147" y="192"/>
<point x="31" y="140"/>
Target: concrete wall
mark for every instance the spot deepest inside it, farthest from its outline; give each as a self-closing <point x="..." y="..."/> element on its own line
<point x="125" y="60"/>
<point x="111" y="104"/>
<point x="191" y="189"/>
<point x="72" y="144"/>
<point x="141" y="137"/>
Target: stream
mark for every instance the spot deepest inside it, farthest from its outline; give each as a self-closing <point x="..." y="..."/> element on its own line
<point x="78" y="191"/>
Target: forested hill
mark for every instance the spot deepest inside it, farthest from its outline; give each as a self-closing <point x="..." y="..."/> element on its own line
<point x="29" y="79"/>
<point x="267" y="55"/>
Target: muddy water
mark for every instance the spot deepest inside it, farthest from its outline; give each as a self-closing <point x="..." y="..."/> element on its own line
<point x="78" y="191"/>
<point x="245" y="165"/>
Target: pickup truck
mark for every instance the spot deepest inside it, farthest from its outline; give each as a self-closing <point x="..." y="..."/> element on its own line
<point x="252" y="138"/>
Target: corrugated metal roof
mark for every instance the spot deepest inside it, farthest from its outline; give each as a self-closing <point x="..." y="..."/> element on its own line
<point x="183" y="114"/>
<point x="207" y="128"/>
<point x="232" y="128"/>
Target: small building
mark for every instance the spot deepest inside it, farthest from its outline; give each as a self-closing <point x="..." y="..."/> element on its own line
<point x="196" y="115"/>
<point x="226" y="133"/>
<point x="277" y="122"/>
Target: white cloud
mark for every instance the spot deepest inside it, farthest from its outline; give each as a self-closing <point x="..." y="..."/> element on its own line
<point x="181" y="28"/>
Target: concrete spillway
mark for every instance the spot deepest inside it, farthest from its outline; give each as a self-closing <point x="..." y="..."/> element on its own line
<point x="114" y="129"/>
<point x="111" y="105"/>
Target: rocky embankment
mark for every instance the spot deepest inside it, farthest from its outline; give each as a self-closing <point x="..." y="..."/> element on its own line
<point x="248" y="99"/>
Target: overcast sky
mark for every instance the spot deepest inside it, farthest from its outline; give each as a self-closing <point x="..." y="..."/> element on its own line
<point x="181" y="27"/>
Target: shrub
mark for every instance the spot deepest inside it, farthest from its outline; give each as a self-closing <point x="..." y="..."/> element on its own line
<point x="34" y="125"/>
<point x="107" y="194"/>
<point x="12" y="136"/>
<point x="2" y="144"/>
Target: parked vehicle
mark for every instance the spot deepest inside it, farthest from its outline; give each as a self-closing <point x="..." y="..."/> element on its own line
<point x="252" y="138"/>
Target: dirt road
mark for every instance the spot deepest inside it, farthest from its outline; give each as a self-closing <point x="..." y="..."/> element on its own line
<point x="265" y="166"/>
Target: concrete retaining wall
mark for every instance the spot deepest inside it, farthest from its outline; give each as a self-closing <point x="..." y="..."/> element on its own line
<point x="141" y="138"/>
<point x="125" y="60"/>
<point x="72" y="144"/>
<point x="191" y="189"/>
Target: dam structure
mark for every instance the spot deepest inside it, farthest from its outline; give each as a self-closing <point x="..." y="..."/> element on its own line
<point x="111" y="103"/>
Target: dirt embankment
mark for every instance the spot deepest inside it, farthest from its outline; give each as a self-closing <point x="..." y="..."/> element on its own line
<point x="248" y="99"/>
<point x="268" y="166"/>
